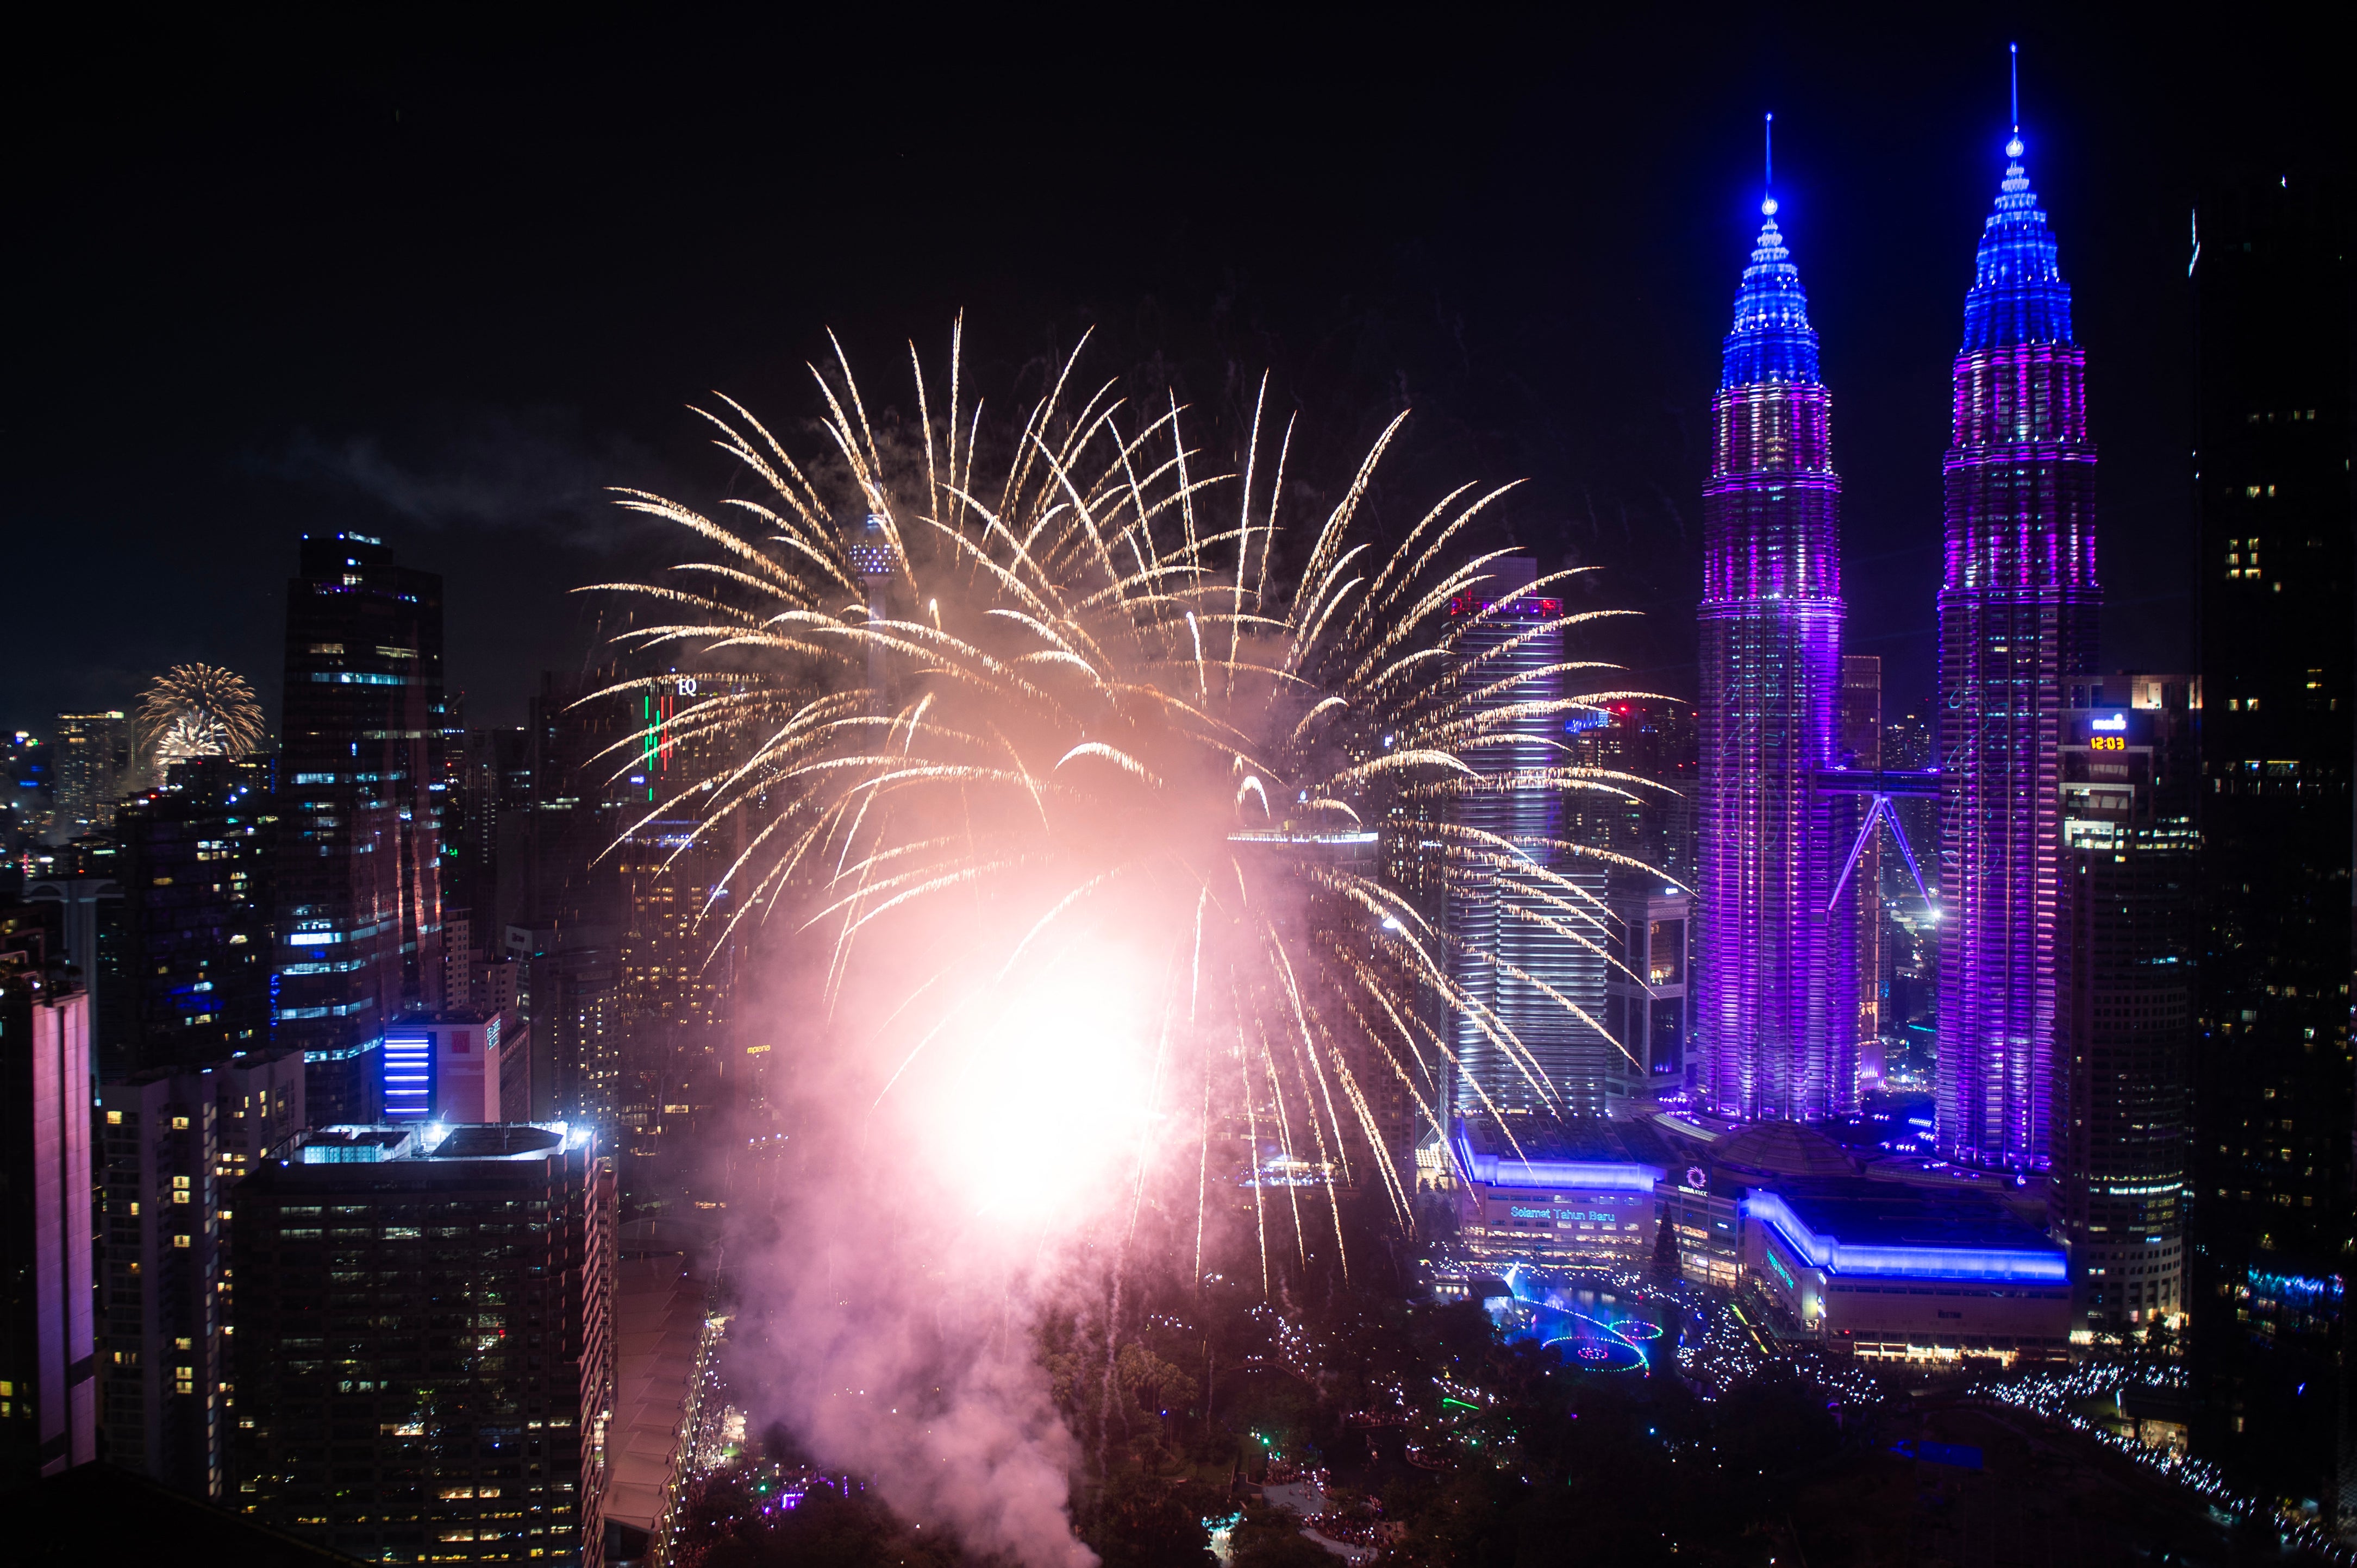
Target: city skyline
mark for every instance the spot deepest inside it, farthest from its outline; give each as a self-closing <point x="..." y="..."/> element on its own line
<point x="482" y="455"/>
<point x="1355" y="916"/>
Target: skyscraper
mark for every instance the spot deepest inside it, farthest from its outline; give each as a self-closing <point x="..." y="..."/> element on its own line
<point x="93" y="767"/>
<point x="1507" y="928"/>
<point x="46" y="1338"/>
<point x="2125" y="975"/>
<point x="2275" y="1211"/>
<point x="2018" y="623"/>
<point x="1776" y="1029"/>
<point x="168" y="1140"/>
<point x="197" y="861"/>
<point x="360" y="927"/>
<point x="563" y="896"/>
<point x="423" y="1360"/>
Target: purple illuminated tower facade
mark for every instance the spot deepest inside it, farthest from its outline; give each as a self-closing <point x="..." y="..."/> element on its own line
<point x="2018" y="626"/>
<point x="1776" y="1005"/>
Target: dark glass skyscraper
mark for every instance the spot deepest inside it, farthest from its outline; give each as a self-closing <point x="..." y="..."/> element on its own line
<point x="1775" y="1012"/>
<point x="2018" y="625"/>
<point x="196" y="858"/>
<point x="2274" y="1210"/>
<point x="360" y="777"/>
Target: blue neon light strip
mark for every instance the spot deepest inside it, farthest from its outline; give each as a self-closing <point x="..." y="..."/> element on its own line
<point x="1497" y="1170"/>
<point x="1828" y="1252"/>
<point x="408" y="1059"/>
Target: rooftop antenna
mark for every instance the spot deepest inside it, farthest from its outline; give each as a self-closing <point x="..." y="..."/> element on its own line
<point x="2013" y="147"/>
<point x="1767" y="199"/>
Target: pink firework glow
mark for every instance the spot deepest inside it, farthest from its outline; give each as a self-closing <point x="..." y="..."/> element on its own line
<point x="1065" y="796"/>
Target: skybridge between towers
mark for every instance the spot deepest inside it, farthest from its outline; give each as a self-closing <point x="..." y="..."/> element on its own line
<point x="1880" y="786"/>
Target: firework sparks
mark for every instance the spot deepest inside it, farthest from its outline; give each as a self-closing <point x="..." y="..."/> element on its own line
<point x="197" y="710"/>
<point x="1073" y="793"/>
<point x="1075" y="708"/>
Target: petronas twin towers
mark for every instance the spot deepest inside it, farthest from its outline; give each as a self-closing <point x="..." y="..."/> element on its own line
<point x="1777" y="1041"/>
<point x="1779" y="813"/>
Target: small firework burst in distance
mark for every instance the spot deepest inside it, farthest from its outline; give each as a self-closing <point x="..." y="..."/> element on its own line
<point x="197" y="710"/>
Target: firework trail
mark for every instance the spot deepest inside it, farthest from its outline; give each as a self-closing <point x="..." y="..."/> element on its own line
<point x="197" y="710"/>
<point x="1071" y="775"/>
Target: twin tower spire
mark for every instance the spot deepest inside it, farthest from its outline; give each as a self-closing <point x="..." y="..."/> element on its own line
<point x="1778" y="982"/>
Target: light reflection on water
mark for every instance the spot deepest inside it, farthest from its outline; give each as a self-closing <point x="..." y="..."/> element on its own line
<point x="1596" y="1328"/>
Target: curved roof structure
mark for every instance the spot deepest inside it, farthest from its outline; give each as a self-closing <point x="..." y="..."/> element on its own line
<point x="1783" y="1148"/>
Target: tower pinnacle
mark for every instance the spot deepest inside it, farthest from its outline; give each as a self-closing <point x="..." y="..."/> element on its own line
<point x="2012" y="146"/>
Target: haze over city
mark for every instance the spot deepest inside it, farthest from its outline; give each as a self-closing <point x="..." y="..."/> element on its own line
<point x="1475" y="790"/>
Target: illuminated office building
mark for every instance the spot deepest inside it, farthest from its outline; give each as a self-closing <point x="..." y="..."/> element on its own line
<point x="2018" y="623"/>
<point x="170" y="1144"/>
<point x="424" y="1360"/>
<point x="360" y="789"/>
<point x="1502" y="920"/>
<point x="1776" y="1021"/>
<point x="28" y="790"/>
<point x="475" y="1067"/>
<point x="2124" y="969"/>
<point x="1652" y="740"/>
<point x="1645" y="1003"/>
<point x="94" y="769"/>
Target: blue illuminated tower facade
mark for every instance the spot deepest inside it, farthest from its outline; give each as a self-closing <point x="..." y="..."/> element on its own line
<point x="2018" y="627"/>
<point x="1776" y="1004"/>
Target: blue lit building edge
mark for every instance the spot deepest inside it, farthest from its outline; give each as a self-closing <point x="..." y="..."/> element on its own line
<point x="1504" y="1170"/>
<point x="1904" y="1260"/>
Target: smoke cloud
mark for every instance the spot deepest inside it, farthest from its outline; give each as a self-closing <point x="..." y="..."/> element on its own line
<point x="531" y="470"/>
<point x="928" y="1214"/>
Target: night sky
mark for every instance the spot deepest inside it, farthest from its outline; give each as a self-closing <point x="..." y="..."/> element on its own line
<point x="440" y="281"/>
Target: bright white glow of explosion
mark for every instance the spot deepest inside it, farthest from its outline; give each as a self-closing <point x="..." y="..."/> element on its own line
<point x="1037" y="1118"/>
